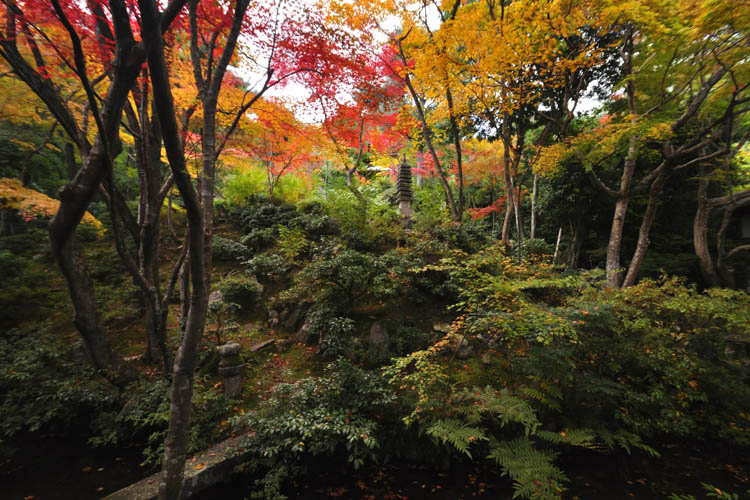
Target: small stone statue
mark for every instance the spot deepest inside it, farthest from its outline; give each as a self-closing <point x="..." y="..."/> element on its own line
<point x="230" y="368"/>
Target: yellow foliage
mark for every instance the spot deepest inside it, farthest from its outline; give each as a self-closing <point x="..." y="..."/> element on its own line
<point x="32" y="204"/>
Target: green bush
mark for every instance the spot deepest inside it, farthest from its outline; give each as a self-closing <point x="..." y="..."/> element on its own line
<point x="262" y="216"/>
<point x="652" y="360"/>
<point x="244" y="188"/>
<point x="269" y="266"/>
<point x="142" y="419"/>
<point x="347" y="279"/>
<point x="536" y="248"/>
<point x="342" y="414"/>
<point x="226" y="249"/>
<point x="292" y="242"/>
<point x="335" y="332"/>
<point x="46" y="386"/>
<point x="258" y="239"/>
<point x="241" y="290"/>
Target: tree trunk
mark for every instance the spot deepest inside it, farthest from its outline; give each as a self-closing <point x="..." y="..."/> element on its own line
<point x="459" y="155"/>
<point x="613" y="267"/>
<point x="700" y="234"/>
<point x="98" y="349"/>
<point x="557" y="246"/>
<point x="574" y="252"/>
<point x="170" y="486"/>
<point x="427" y="131"/>
<point x="532" y="233"/>
<point x="654" y="197"/>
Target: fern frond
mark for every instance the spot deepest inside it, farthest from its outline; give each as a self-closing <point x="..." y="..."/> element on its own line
<point x="544" y="397"/>
<point x="456" y="433"/>
<point x="533" y="471"/>
<point x="502" y="404"/>
<point x="585" y="438"/>
<point x="625" y="440"/>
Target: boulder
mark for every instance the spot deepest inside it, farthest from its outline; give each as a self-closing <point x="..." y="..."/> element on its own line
<point x="305" y="335"/>
<point x="262" y="345"/>
<point x="296" y="316"/>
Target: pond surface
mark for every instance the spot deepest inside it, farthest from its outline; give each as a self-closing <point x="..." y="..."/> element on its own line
<point x="49" y="469"/>
<point x="63" y="469"/>
<point x="593" y="476"/>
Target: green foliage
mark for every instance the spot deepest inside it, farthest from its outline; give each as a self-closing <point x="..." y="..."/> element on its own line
<point x="257" y="216"/>
<point x="336" y="415"/>
<point x="268" y="266"/>
<point x="292" y="242"/>
<point x="142" y="419"/>
<point x="22" y="266"/>
<point x="258" y="239"/>
<point x="373" y="227"/>
<point x="45" y="386"/>
<point x="243" y="188"/>
<point x="429" y="206"/>
<point x="241" y="290"/>
<point x="226" y="249"/>
<point x="653" y="360"/>
<point x="495" y="423"/>
<point x="532" y="470"/>
<point x="536" y="249"/>
<point x="339" y="282"/>
<point x="334" y="331"/>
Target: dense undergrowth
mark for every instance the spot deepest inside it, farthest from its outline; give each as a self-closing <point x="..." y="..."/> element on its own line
<point x="431" y="345"/>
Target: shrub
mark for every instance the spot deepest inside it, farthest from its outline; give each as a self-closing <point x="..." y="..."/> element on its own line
<point x="653" y="360"/>
<point x="244" y="188"/>
<point x="269" y="266"/>
<point x="239" y="289"/>
<point x="143" y="417"/>
<point x="262" y="216"/>
<point x="335" y="332"/>
<point x="536" y="248"/>
<point x="258" y="239"/>
<point x="44" y="385"/>
<point x="340" y="414"/>
<point x="347" y="279"/>
<point x="226" y="249"/>
<point x="292" y="242"/>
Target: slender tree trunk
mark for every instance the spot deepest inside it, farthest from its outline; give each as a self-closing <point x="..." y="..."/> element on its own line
<point x="208" y="178"/>
<point x="700" y="234"/>
<point x="427" y="131"/>
<point x="170" y="486"/>
<point x="509" y="194"/>
<point x="557" y="246"/>
<point x="654" y="197"/>
<point x="459" y="155"/>
<point x="612" y="266"/>
<point x="532" y="233"/>
<point x="574" y="252"/>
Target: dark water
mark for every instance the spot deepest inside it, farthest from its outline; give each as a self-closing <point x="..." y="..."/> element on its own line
<point x="593" y="476"/>
<point x="67" y="469"/>
<point x="62" y="469"/>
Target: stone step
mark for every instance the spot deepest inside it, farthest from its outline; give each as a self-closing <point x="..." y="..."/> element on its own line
<point x="214" y="466"/>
